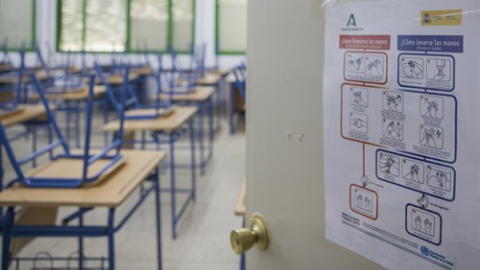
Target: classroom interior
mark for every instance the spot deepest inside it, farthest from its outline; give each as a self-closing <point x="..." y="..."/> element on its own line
<point x="122" y="133"/>
<point x="128" y="140"/>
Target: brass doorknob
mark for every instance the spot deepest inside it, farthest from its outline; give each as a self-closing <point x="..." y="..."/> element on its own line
<point x="257" y="234"/>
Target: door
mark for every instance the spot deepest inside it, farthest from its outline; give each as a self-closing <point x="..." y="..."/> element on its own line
<point x="285" y="137"/>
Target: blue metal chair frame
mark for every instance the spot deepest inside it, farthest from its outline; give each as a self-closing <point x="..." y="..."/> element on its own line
<point x="60" y="142"/>
<point x="133" y="100"/>
<point x="6" y="57"/>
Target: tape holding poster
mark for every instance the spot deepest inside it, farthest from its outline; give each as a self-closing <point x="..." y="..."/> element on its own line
<point x="402" y="93"/>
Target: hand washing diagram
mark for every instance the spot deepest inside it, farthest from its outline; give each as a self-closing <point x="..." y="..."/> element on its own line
<point x="431" y="107"/>
<point x="439" y="178"/>
<point x="365" y="66"/>
<point x="431" y="137"/>
<point x="389" y="164"/>
<point x="393" y="101"/>
<point x="359" y="122"/>
<point x="412" y="67"/>
<point x="359" y="97"/>
<point x="439" y="69"/>
<point x="413" y="171"/>
<point x="392" y="129"/>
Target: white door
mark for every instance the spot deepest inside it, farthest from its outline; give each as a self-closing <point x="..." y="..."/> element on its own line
<point x="285" y="137"/>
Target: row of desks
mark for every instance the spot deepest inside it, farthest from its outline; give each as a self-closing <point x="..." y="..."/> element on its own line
<point x="111" y="192"/>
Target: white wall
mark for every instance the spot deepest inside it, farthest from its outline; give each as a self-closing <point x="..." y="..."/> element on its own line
<point x="205" y="32"/>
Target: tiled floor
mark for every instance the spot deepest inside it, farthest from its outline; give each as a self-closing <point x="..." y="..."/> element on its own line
<point x="203" y="236"/>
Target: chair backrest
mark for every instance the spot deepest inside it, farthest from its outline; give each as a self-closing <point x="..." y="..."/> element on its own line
<point x="117" y="140"/>
<point x="59" y="142"/>
<point x="5" y="55"/>
<point x="241" y="80"/>
<point x="16" y="93"/>
<point x="41" y="59"/>
<point x="131" y="97"/>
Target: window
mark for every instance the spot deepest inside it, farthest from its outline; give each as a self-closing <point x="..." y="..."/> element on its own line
<point x="15" y="29"/>
<point x="231" y="26"/>
<point x="125" y="25"/>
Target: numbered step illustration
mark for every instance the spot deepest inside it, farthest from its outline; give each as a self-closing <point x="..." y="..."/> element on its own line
<point x="359" y="97"/>
<point x="392" y="129"/>
<point x="431" y="107"/>
<point x="389" y="164"/>
<point x="413" y="171"/>
<point x="427" y="71"/>
<point x="431" y="137"/>
<point x="366" y="67"/>
<point x="424" y="224"/>
<point x="359" y="122"/>
<point x="439" y="178"/>
<point x="364" y="201"/>
<point x="392" y="101"/>
<point x="415" y="174"/>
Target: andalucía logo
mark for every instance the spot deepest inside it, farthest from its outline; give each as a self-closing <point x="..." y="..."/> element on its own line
<point x="352" y="24"/>
<point x="351" y="21"/>
<point x="425" y="250"/>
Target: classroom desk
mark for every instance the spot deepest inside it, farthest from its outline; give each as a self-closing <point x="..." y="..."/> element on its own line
<point x="137" y="168"/>
<point x="115" y="79"/>
<point x="142" y="71"/>
<point x="26" y="113"/>
<point x="13" y="78"/>
<point x="170" y="126"/>
<point x="201" y="97"/>
<point x="214" y="80"/>
<point x="219" y="71"/>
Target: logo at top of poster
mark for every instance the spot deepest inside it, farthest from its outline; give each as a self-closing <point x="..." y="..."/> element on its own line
<point x="352" y="21"/>
<point x="352" y="24"/>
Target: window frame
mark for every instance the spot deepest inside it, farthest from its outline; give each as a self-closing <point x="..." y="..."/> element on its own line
<point x="217" y="35"/>
<point x="30" y="47"/>
<point x="128" y="49"/>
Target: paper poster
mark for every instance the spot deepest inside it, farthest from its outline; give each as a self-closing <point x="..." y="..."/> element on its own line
<point x="402" y="132"/>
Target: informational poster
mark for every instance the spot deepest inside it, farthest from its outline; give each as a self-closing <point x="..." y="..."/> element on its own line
<point x="402" y="131"/>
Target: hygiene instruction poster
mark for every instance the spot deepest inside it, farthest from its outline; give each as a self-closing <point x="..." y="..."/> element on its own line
<point x="402" y="132"/>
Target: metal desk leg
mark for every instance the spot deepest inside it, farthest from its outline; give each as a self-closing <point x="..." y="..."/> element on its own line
<point x="80" y="244"/>
<point x="111" y="242"/>
<point x="34" y="144"/>
<point x="1" y="185"/>
<point x="7" y="222"/>
<point x="144" y="139"/>
<point x="158" y="216"/>
<point x="242" y="257"/>
<point x="192" y="149"/>
<point x="232" y="109"/>
<point x="211" y="130"/>
<point x="172" y="184"/>
<point x="200" y="137"/>
<point x="105" y="119"/>
<point x="77" y="124"/>
<point x="67" y="121"/>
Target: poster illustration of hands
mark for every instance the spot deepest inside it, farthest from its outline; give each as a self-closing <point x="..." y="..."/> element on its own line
<point x="402" y="132"/>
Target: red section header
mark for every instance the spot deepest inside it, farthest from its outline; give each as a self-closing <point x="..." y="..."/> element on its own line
<point x="374" y="42"/>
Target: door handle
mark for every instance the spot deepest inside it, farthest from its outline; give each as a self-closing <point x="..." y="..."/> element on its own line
<point x="257" y="234"/>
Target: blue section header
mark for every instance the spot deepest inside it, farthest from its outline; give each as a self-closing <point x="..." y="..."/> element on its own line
<point x="452" y="44"/>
